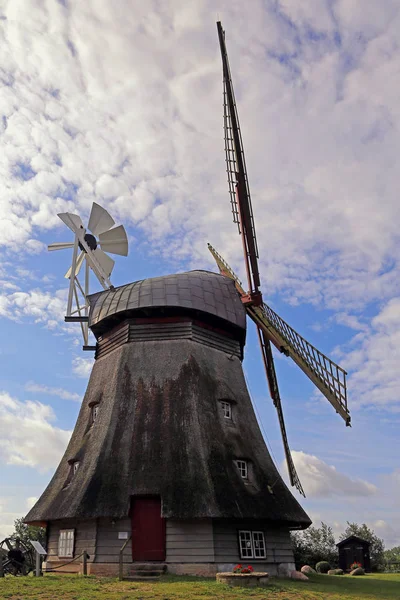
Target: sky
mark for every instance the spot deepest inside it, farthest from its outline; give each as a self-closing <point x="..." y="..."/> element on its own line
<point x="121" y="103"/>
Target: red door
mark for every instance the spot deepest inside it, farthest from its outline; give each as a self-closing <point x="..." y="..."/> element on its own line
<point x="148" y="529"/>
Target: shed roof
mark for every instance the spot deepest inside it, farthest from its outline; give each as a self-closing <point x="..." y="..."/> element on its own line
<point x="203" y="291"/>
<point x="352" y="538"/>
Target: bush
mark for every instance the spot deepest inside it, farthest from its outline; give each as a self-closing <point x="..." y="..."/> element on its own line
<point x="313" y="545"/>
<point x="322" y="567"/>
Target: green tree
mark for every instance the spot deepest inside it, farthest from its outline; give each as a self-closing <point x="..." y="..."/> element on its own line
<point x="27" y="532"/>
<point x="376" y="548"/>
<point x="392" y="556"/>
<point x="313" y="545"/>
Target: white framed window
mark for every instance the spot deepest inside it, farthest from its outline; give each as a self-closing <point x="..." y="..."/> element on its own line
<point x="242" y="468"/>
<point x="245" y="544"/>
<point x="258" y="544"/>
<point x="226" y="408"/>
<point x="66" y="543"/>
<point x="95" y="412"/>
<point x="251" y="544"/>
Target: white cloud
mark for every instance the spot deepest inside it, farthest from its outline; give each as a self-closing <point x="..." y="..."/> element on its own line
<point x="139" y="128"/>
<point x="31" y="501"/>
<point x="7" y="517"/>
<point x="373" y="357"/>
<point x="31" y="386"/>
<point x="321" y="480"/>
<point x="40" y="306"/>
<point x="82" y="367"/>
<point x="27" y="435"/>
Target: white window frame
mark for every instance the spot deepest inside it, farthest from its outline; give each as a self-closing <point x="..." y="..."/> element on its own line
<point x="95" y="412"/>
<point x="259" y="544"/>
<point x="226" y="409"/>
<point x="243" y="468"/>
<point x="252" y="544"/>
<point x="245" y="544"/>
<point x="66" y="542"/>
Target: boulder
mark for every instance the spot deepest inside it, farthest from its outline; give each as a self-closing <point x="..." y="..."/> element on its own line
<point x="335" y="572"/>
<point x="358" y="571"/>
<point x="298" y="575"/>
<point x="307" y="570"/>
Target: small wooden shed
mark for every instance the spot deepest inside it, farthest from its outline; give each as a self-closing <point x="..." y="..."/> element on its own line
<point x="354" y="549"/>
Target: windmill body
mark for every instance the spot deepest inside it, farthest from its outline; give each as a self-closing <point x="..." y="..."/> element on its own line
<point x="166" y="451"/>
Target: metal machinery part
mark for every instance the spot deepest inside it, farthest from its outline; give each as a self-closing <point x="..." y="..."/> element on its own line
<point x="10" y="565"/>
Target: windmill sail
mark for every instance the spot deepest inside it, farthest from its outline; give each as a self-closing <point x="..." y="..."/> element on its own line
<point x="329" y="377"/>
<point x="237" y="174"/>
<point x="275" y="395"/>
<point x="268" y="359"/>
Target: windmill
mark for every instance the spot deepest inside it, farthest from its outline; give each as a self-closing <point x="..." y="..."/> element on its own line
<point x="326" y="375"/>
<point x="167" y="464"/>
<point x="104" y="237"/>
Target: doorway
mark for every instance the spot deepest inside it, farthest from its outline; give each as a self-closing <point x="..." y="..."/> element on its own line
<point x="148" y="529"/>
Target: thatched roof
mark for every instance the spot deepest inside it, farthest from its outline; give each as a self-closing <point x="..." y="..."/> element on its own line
<point x="160" y="431"/>
<point x="201" y="291"/>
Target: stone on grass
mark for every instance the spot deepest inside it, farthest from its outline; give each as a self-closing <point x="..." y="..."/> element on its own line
<point x="299" y="576"/>
<point x="358" y="571"/>
<point x="335" y="572"/>
<point x="307" y="570"/>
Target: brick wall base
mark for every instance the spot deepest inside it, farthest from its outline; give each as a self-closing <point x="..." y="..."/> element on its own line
<point x="199" y="569"/>
<point x="75" y="567"/>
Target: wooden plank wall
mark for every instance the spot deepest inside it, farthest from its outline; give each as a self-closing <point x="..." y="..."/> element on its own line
<point x="85" y="537"/>
<point x="277" y="541"/>
<point x="189" y="541"/>
<point x="108" y="544"/>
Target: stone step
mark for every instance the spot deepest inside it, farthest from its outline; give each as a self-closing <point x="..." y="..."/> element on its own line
<point x="148" y="578"/>
<point x="159" y="566"/>
<point x="145" y="573"/>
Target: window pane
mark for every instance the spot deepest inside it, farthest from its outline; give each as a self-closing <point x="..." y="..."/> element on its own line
<point x="245" y="544"/>
<point x="259" y="544"/>
<point x="226" y="409"/>
<point x="242" y="466"/>
<point x="66" y="543"/>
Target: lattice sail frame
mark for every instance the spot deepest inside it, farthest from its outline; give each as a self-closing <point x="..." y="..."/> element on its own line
<point x="232" y="168"/>
<point x="237" y="172"/>
<point x="326" y="375"/>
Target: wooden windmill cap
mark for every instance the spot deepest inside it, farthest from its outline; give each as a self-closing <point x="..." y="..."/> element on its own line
<point x="199" y="291"/>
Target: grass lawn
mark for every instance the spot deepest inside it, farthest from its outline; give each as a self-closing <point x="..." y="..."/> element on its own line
<point x="320" y="587"/>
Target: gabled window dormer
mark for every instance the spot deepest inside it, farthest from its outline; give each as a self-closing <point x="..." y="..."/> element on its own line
<point x="94" y="413"/>
<point x="73" y="470"/>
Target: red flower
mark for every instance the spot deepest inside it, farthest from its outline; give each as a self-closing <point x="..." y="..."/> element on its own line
<point x="241" y="569"/>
